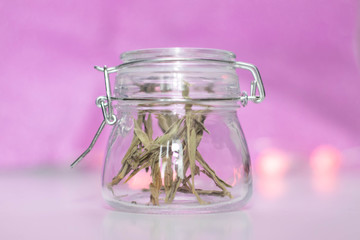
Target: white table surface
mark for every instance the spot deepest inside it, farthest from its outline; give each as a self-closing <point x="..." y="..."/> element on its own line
<point x="67" y="204"/>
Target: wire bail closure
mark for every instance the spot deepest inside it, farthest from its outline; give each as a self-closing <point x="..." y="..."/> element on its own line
<point x="105" y="102"/>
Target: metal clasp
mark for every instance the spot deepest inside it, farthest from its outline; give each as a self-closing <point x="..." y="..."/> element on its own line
<point x="103" y="102"/>
<point x="256" y="85"/>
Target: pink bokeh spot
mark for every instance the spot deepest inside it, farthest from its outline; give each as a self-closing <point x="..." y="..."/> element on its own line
<point x="273" y="163"/>
<point x="141" y="181"/>
<point x="325" y="159"/>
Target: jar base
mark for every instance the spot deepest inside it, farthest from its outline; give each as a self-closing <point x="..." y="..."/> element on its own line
<point x="183" y="204"/>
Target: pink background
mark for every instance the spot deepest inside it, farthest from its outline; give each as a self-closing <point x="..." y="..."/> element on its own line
<point x="307" y="52"/>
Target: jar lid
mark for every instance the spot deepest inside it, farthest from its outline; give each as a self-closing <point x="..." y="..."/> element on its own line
<point x="154" y="53"/>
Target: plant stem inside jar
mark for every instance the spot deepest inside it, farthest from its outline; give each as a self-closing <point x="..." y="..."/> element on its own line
<point x="145" y="153"/>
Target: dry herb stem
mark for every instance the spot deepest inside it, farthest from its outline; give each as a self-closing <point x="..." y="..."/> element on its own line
<point x="145" y="152"/>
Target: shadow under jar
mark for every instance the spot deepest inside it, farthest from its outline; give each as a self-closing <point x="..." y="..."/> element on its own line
<point x="176" y="144"/>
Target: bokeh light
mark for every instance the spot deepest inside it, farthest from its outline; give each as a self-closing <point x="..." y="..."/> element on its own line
<point x="325" y="159"/>
<point x="141" y="181"/>
<point x="273" y="163"/>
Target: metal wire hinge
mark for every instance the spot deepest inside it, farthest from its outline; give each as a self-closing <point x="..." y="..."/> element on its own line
<point x="256" y="85"/>
<point x="103" y="102"/>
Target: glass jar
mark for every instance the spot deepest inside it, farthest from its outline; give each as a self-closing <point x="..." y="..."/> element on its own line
<point x="176" y="144"/>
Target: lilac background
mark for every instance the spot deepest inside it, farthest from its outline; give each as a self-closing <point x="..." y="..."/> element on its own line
<point x="307" y="52"/>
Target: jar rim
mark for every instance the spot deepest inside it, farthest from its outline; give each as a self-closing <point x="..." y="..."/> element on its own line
<point x="177" y="52"/>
